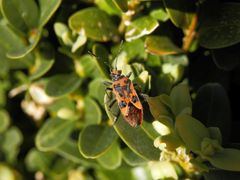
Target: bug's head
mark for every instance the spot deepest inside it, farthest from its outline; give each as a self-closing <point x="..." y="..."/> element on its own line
<point x="116" y="74"/>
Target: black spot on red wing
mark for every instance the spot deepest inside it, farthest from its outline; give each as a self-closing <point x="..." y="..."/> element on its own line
<point x="122" y="104"/>
<point x="135" y="99"/>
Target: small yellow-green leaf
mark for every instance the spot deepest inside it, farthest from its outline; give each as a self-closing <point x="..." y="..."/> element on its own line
<point x="191" y="131"/>
<point x="11" y="142"/>
<point x="161" y="45"/>
<point x="180" y="12"/>
<point x="47" y="9"/>
<point x="23" y="51"/>
<point x="53" y="133"/>
<point x="227" y="159"/>
<point x="94" y="140"/>
<point x="4" y="120"/>
<point x="112" y="158"/>
<point x="36" y="160"/>
<point x="43" y="63"/>
<point x="62" y="84"/>
<point x="141" y="27"/>
<point x="180" y="98"/>
<point x="122" y="4"/>
<point x="160" y="14"/>
<point x="158" y="108"/>
<point x="95" y="23"/>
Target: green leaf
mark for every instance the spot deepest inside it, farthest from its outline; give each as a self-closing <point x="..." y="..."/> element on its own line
<point x="62" y="84"/>
<point x="97" y="90"/>
<point x="53" y="133"/>
<point x="95" y="23"/>
<point x="159" y="14"/>
<point x="36" y="160"/>
<point x="92" y="112"/>
<point x="94" y="140"/>
<point x="12" y="140"/>
<point x="108" y="6"/>
<point x="87" y="66"/>
<point x="43" y="63"/>
<point x="226" y="58"/>
<point x="112" y="158"/>
<point x="102" y="58"/>
<point x="137" y="139"/>
<point x="23" y="15"/>
<point x="191" y="131"/>
<point x="221" y="28"/>
<point x="227" y="159"/>
<point x="4" y="120"/>
<point x="23" y="51"/>
<point x="122" y="4"/>
<point x="141" y="27"/>
<point x="160" y="106"/>
<point x="132" y="158"/>
<point x="10" y="41"/>
<point x="69" y="150"/>
<point x="212" y="107"/>
<point x="180" y="12"/>
<point x="180" y="98"/>
<point x="47" y="9"/>
<point x="161" y="45"/>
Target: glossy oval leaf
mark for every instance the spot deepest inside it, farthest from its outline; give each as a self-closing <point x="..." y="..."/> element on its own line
<point x="95" y="140"/>
<point x="36" y="160"/>
<point x="141" y="27"/>
<point x="23" y="15"/>
<point x="47" y="9"/>
<point x="92" y="112"/>
<point x="112" y="158"/>
<point x="181" y="99"/>
<point x="43" y="63"/>
<point x="180" y="12"/>
<point x="23" y="51"/>
<point x="53" y="133"/>
<point x="4" y="120"/>
<point x="62" y="84"/>
<point x="69" y="150"/>
<point x="108" y="6"/>
<point x="191" y="131"/>
<point x="226" y="58"/>
<point x="137" y="139"/>
<point x="95" y="23"/>
<point x="132" y="158"/>
<point x="10" y="144"/>
<point x="97" y="90"/>
<point x="227" y="159"/>
<point x="122" y="4"/>
<point x="212" y="107"/>
<point x="159" y="106"/>
<point x="221" y="29"/>
<point x="161" y="45"/>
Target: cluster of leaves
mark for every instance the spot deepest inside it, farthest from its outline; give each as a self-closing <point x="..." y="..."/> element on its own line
<point x="46" y="71"/>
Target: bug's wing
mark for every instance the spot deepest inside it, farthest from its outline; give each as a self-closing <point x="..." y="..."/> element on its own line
<point x="135" y="115"/>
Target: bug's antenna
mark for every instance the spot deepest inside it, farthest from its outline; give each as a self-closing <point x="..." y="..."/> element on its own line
<point x="119" y="50"/>
<point x="98" y="57"/>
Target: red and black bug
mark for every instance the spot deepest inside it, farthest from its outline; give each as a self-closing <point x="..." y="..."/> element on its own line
<point x="127" y="98"/>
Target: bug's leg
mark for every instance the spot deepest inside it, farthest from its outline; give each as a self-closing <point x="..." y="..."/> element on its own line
<point x="137" y="87"/>
<point x="116" y="117"/>
<point x="129" y="74"/>
<point x="111" y="103"/>
<point x="144" y="96"/>
<point x="107" y="83"/>
<point x="106" y="91"/>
